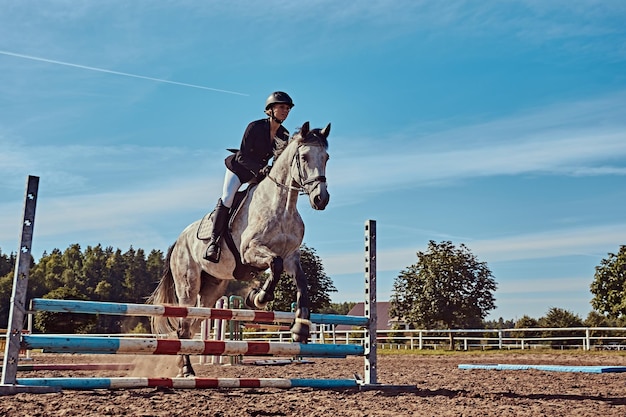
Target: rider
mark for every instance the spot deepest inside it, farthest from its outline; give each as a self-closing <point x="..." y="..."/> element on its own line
<point x="262" y="140"/>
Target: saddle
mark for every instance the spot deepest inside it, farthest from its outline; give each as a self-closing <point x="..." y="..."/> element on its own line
<point x="242" y="272"/>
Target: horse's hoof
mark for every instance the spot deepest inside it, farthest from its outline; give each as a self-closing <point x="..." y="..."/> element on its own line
<point x="300" y="331"/>
<point x="298" y="338"/>
<point x="187" y="372"/>
<point x="262" y="298"/>
<point x="251" y="297"/>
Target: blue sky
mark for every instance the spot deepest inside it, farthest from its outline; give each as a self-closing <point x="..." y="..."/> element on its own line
<point x="499" y="125"/>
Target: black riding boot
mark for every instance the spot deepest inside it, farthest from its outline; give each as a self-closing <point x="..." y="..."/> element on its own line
<point x="220" y="218"/>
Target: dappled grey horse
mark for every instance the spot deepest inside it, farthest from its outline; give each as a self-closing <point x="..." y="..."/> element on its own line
<point x="266" y="231"/>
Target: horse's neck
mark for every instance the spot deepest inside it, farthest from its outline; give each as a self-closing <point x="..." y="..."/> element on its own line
<point x="281" y="196"/>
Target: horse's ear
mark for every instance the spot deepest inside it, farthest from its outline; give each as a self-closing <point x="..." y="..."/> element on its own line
<point x="326" y="131"/>
<point x="304" y="130"/>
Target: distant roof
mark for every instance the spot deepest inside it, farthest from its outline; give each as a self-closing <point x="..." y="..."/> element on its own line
<point x="382" y="310"/>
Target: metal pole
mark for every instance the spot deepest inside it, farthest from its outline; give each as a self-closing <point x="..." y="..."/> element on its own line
<point x="370" y="303"/>
<point x="20" y="285"/>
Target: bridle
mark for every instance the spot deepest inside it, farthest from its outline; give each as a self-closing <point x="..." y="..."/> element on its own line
<point x="302" y="181"/>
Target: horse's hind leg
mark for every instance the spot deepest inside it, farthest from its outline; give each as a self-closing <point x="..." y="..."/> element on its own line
<point x="258" y="298"/>
<point x="211" y="290"/>
<point x="184" y="362"/>
<point x="188" y="282"/>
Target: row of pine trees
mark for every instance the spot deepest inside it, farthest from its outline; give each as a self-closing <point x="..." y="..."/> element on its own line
<point x="97" y="274"/>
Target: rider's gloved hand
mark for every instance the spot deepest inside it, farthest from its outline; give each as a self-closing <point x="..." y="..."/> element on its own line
<point x="265" y="171"/>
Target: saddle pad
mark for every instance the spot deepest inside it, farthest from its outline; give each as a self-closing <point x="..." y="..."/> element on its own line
<point x="205" y="227"/>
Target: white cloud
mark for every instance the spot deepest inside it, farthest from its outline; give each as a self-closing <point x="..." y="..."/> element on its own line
<point x="581" y="138"/>
<point x="534" y="285"/>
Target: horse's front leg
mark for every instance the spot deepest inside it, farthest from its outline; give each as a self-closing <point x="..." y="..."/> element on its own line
<point x="300" y="331"/>
<point x="259" y="297"/>
<point x="184" y="362"/>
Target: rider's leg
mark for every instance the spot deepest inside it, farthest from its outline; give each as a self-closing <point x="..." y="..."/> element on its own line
<point x="230" y="188"/>
<point x="220" y="216"/>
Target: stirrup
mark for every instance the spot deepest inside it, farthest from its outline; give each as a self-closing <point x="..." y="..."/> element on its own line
<point x="215" y="254"/>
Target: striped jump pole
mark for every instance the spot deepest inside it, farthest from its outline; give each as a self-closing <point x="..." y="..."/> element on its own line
<point x="76" y="367"/>
<point x="122" y="309"/>
<point x="187" y="383"/>
<point x="151" y="346"/>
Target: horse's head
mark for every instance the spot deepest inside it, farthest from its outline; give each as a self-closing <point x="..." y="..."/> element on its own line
<point x="308" y="168"/>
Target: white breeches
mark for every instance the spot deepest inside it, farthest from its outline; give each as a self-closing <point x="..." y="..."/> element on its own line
<point x="231" y="186"/>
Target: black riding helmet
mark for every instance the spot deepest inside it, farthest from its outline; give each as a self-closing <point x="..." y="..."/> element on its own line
<point x="278" y="97"/>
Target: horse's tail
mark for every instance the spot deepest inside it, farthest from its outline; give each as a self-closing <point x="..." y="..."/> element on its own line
<point x="164" y="294"/>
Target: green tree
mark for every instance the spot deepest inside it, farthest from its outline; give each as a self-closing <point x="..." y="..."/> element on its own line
<point x="595" y="319"/>
<point x="7" y="263"/>
<point x="49" y="270"/>
<point x="135" y="275"/>
<point x="7" y="270"/>
<point x="111" y="288"/>
<point x="155" y="264"/>
<point x="318" y="283"/>
<point x="559" y="318"/>
<point x="95" y="274"/>
<point x="94" y="267"/>
<point x="526" y="322"/>
<point x="6" y="286"/>
<point x="609" y="285"/>
<point x="339" y="308"/>
<point x="115" y="271"/>
<point x="499" y="324"/>
<point x="138" y="284"/>
<point x="446" y="287"/>
<point x="73" y="276"/>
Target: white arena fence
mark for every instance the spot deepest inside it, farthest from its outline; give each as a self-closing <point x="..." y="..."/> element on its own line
<point x="585" y="338"/>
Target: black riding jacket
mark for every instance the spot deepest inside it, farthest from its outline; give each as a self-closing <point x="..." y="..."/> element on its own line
<point x="256" y="150"/>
